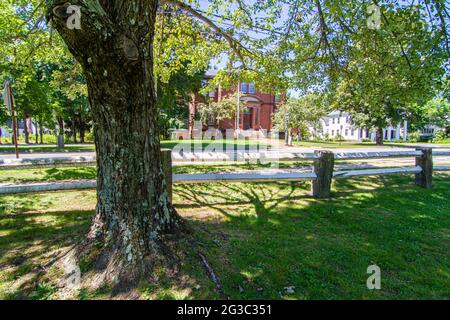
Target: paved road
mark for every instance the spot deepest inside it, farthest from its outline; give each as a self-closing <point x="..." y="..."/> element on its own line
<point x="35" y="155"/>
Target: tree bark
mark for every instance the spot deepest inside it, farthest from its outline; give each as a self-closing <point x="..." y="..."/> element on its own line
<point x="379" y="136"/>
<point x="60" y="137"/>
<point x="36" y="132"/>
<point x="81" y="127"/>
<point x="25" y="130"/>
<point x="115" y="49"/>
<point x="74" y="130"/>
<point x="41" y="132"/>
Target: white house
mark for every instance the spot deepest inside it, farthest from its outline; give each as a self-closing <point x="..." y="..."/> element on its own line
<point x="4" y="132"/>
<point x="339" y="124"/>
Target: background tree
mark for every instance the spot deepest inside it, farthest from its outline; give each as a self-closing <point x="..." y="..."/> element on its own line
<point x="69" y="85"/>
<point x="434" y="112"/>
<point x="384" y="83"/>
<point x="302" y="114"/>
<point x="26" y="47"/>
<point x="216" y="112"/>
<point x="174" y="96"/>
<point x="379" y="70"/>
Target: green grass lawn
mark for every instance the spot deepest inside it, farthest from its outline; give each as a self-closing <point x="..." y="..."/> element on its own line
<point x="260" y="237"/>
<point x="52" y="174"/>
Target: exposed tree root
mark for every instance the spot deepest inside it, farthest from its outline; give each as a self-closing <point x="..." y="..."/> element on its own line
<point x="212" y="275"/>
<point x="89" y="267"/>
<point x="211" y="272"/>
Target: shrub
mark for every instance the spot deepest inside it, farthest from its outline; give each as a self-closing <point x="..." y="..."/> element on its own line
<point x="414" y="137"/>
<point x="440" y="136"/>
<point x="89" y="137"/>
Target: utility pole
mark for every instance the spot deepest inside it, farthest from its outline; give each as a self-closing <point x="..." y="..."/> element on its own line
<point x="238" y="116"/>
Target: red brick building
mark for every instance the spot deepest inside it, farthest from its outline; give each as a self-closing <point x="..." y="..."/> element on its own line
<point x="256" y="115"/>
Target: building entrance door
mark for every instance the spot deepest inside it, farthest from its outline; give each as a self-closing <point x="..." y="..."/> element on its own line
<point x="248" y="117"/>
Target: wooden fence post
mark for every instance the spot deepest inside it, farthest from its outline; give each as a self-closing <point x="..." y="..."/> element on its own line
<point x="323" y="168"/>
<point x="166" y="160"/>
<point x="425" y="161"/>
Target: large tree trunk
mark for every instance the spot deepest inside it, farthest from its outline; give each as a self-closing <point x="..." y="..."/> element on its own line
<point x="379" y="136"/>
<point x="115" y="50"/>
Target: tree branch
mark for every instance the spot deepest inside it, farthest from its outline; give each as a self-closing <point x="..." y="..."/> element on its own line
<point x="439" y="10"/>
<point x="395" y="36"/>
<point x="235" y="45"/>
<point x="324" y="30"/>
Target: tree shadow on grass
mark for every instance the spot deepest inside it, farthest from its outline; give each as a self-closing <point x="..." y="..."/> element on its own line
<point x="324" y="247"/>
<point x="262" y="199"/>
<point x="28" y="244"/>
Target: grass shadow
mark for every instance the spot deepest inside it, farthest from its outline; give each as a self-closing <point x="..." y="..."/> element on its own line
<point x="324" y="247"/>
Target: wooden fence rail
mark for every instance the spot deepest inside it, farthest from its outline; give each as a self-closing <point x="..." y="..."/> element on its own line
<point x="322" y="175"/>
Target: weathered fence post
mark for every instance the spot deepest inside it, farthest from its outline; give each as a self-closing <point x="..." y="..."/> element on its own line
<point x="166" y="159"/>
<point x="425" y="161"/>
<point x="323" y="168"/>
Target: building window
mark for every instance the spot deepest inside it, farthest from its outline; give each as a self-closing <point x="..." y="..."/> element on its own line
<point x="339" y="120"/>
<point x="332" y="132"/>
<point x="346" y="132"/>
<point x="334" y="120"/>
<point x="251" y="88"/>
<point x="244" y="87"/>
